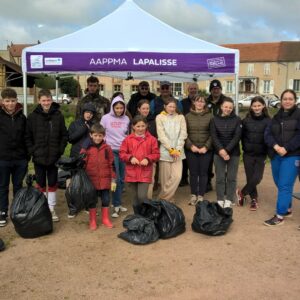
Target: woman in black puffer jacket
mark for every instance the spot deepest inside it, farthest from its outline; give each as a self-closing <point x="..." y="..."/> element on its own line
<point x="254" y="148"/>
<point x="226" y="132"/>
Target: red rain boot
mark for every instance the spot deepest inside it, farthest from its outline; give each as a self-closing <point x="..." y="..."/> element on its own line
<point x="93" y="218"/>
<point x="105" y="217"/>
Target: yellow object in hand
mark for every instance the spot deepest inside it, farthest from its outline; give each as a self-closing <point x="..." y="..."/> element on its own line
<point x="113" y="186"/>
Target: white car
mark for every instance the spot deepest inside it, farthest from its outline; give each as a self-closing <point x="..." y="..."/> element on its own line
<point x="245" y="102"/>
<point x="62" y="98"/>
<point x="277" y="103"/>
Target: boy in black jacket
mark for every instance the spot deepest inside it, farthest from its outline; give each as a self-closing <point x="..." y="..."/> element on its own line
<point x="13" y="154"/>
<point x="46" y="139"/>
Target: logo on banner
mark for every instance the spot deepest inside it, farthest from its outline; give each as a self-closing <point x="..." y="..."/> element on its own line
<point x="53" y="61"/>
<point x="215" y="63"/>
<point x="36" y="61"/>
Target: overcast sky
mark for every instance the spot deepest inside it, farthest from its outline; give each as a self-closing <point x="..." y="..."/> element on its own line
<point x="224" y="21"/>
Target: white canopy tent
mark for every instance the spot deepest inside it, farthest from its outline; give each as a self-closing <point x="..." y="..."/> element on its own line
<point x="131" y="43"/>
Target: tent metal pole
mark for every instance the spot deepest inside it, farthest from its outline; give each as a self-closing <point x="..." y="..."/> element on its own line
<point x="56" y="88"/>
<point x="237" y="94"/>
<point x="25" y="93"/>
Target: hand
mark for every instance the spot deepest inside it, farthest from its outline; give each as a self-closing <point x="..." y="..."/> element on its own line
<point x="223" y="153"/>
<point x="282" y="151"/>
<point x="226" y="157"/>
<point x="113" y="186"/>
<point x="202" y="150"/>
<point x="134" y="161"/>
<point x="195" y="149"/>
<point x="144" y="162"/>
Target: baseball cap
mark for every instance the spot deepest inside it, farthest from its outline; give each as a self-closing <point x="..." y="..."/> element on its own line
<point x="165" y="83"/>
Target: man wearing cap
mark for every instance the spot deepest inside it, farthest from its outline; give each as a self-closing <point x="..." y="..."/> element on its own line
<point x="101" y="104"/>
<point x="216" y="97"/>
<point x="143" y="93"/>
<point x="186" y="106"/>
<point x="214" y="102"/>
<point x="157" y="104"/>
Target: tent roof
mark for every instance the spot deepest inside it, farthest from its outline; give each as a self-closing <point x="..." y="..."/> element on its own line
<point x="131" y="40"/>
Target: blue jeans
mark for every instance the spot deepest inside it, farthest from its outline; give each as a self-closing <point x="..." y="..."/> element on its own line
<point x="17" y="170"/>
<point x="120" y="173"/>
<point x="284" y="171"/>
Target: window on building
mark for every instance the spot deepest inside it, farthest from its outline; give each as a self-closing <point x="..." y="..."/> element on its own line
<point x="229" y="85"/>
<point x="250" y="69"/>
<point x="267" y="84"/>
<point x="267" y="69"/>
<point x="296" y="85"/>
<point x="177" y="89"/>
<point x="297" y="66"/>
<point x="101" y="89"/>
<point x="117" y="88"/>
<point x="134" y="88"/>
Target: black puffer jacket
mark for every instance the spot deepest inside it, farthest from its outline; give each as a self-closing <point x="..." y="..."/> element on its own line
<point x="253" y="134"/>
<point x="46" y="135"/>
<point x="12" y="134"/>
<point x="134" y="100"/>
<point x="226" y="133"/>
<point x="284" y="130"/>
<point x="214" y="107"/>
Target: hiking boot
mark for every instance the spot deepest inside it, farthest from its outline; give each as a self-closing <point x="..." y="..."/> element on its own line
<point x="240" y="197"/>
<point x="193" y="200"/>
<point x="3" y="218"/>
<point x="253" y="205"/>
<point x="55" y="217"/>
<point x="274" y="221"/>
<point x="116" y="212"/>
<point x="71" y="215"/>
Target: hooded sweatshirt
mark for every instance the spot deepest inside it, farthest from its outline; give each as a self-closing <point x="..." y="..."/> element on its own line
<point x="116" y="128"/>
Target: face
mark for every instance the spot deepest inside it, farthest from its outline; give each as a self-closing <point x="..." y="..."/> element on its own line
<point x="216" y="92"/>
<point x="288" y="101"/>
<point x="144" y="110"/>
<point x="9" y="104"/>
<point x="97" y="138"/>
<point x="87" y="115"/>
<point x="93" y="87"/>
<point x="139" y="128"/>
<point x="119" y="109"/>
<point x="144" y="90"/>
<point x="193" y="90"/>
<point x="199" y="104"/>
<point x="165" y="90"/>
<point x="257" y="107"/>
<point x="45" y="102"/>
<point x="170" y="108"/>
<point x="227" y="108"/>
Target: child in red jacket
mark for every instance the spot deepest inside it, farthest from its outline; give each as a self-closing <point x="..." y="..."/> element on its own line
<point x="99" y="167"/>
<point x="139" y="151"/>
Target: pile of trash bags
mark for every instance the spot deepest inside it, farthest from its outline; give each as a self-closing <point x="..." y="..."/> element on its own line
<point x="153" y="220"/>
<point x="212" y="219"/>
<point x="30" y="212"/>
<point x="80" y="193"/>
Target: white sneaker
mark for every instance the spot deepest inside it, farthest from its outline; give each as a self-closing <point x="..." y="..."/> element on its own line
<point x="227" y="203"/>
<point x="115" y="214"/>
<point x="55" y="218"/>
<point x="221" y="203"/>
<point x="122" y="208"/>
<point x="193" y="200"/>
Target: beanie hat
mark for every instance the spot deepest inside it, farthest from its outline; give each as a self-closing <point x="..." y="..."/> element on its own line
<point x="215" y="83"/>
<point x="89" y="107"/>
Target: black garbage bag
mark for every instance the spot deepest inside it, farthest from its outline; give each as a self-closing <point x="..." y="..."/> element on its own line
<point x="80" y="193"/>
<point x="71" y="163"/>
<point x="62" y="177"/>
<point x="211" y="219"/>
<point x="140" y="230"/>
<point x="168" y="218"/>
<point x="30" y="212"/>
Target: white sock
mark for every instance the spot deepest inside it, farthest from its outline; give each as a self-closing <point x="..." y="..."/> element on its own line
<point x="51" y="199"/>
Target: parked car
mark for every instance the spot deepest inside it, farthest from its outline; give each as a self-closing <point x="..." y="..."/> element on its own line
<point x="62" y="98"/>
<point x="276" y="103"/>
<point x="245" y="102"/>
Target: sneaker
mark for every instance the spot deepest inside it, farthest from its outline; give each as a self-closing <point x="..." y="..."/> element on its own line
<point x="122" y="208"/>
<point x="240" y="197"/>
<point x="3" y="219"/>
<point x="115" y="214"/>
<point x="288" y="214"/>
<point x="228" y="203"/>
<point x="274" y="221"/>
<point x="193" y="200"/>
<point x="253" y="205"/>
<point x="221" y="203"/>
<point x="71" y="215"/>
<point x="55" y="218"/>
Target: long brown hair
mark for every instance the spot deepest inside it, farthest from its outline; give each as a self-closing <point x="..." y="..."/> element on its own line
<point x="261" y="101"/>
<point x="197" y="98"/>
